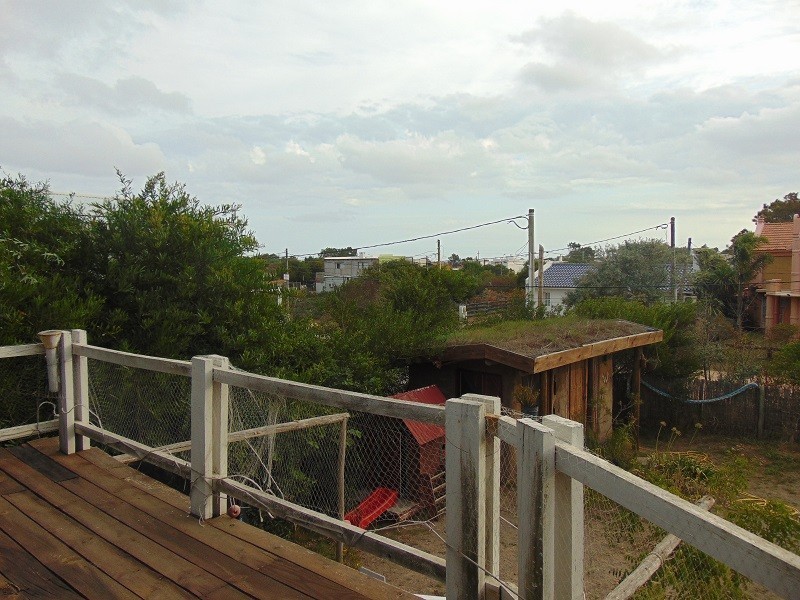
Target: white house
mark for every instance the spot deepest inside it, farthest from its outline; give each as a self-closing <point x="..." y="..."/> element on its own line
<point x="558" y="280"/>
<point x="341" y="269"/>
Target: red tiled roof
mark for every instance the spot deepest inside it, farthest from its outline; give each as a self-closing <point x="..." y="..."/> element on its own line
<point x="424" y="432"/>
<point x="779" y="237"/>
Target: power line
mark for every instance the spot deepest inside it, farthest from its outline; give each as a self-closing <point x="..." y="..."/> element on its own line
<point x="427" y="237"/>
<point x="616" y="237"/>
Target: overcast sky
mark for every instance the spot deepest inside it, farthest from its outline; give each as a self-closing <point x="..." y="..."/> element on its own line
<point x="352" y="123"/>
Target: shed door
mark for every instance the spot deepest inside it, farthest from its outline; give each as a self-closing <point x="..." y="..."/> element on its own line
<point x="476" y="382"/>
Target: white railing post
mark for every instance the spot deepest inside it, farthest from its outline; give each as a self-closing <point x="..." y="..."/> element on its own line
<point x="66" y="397"/>
<point x="465" y="462"/>
<point x="569" y="516"/>
<point x="492" y="485"/>
<point x="80" y="375"/>
<point x="219" y="433"/>
<point x="201" y="494"/>
<point x="536" y="509"/>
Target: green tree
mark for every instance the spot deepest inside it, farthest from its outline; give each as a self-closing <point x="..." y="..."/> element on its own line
<point x="579" y="254"/>
<point x="178" y="278"/>
<point x="43" y="250"/>
<point x="779" y="211"/>
<point x="637" y="270"/>
<point x="725" y="278"/>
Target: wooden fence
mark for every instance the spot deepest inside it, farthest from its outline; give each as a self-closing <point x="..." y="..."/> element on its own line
<point x="770" y="413"/>
<point x="552" y="470"/>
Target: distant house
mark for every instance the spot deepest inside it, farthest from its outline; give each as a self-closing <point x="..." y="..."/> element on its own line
<point x="779" y="281"/>
<point x="341" y="269"/>
<point x="558" y="280"/>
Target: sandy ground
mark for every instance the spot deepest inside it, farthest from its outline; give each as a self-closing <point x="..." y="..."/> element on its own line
<point x="775" y="473"/>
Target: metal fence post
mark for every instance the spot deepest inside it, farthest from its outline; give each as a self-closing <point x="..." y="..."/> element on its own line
<point x="465" y="461"/>
<point x="568" y="551"/>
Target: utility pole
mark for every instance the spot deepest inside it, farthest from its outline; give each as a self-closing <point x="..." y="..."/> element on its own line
<point x="529" y="287"/>
<point x="541" y="275"/>
<point x="286" y="275"/>
<point x="673" y="275"/>
<point x="439" y="253"/>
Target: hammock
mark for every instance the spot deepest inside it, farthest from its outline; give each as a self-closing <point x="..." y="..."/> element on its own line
<point x="736" y="392"/>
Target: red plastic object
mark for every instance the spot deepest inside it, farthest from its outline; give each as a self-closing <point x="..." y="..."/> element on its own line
<point x="373" y="506"/>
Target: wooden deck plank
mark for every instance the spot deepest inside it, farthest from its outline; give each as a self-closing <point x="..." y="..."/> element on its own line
<point x="168" y="534"/>
<point x="275" y="567"/>
<point x="242" y="543"/>
<point x="175" y="567"/>
<point x="9" y="485"/>
<point x="316" y="564"/>
<point x="44" y="464"/>
<point x="27" y="575"/>
<point x="79" y="574"/>
<point x="122" y="567"/>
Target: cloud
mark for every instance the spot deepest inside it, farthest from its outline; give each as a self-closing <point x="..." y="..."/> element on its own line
<point x="131" y="95"/>
<point x="574" y="52"/>
<point x="88" y="148"/>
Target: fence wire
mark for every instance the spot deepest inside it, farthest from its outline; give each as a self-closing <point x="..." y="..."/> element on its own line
<point x="26" y="398"/>
<point x="149" y="407"/>
<point x="393" y="482"/>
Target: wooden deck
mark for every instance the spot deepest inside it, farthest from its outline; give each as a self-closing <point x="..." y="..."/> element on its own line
<point x="85" y="526"/>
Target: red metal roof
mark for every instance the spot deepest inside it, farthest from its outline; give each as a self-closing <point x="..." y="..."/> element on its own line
<point x="424" y="432"/>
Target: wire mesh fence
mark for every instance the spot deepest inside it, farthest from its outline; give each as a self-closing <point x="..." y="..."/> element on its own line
<point x="146" y="406"/>
<point x="26" y="398"/>
<point x="387" y="474"/>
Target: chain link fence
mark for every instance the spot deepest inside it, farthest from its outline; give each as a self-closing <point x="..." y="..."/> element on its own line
<point x="26" y="399"/>
<point x="146" y="406"/>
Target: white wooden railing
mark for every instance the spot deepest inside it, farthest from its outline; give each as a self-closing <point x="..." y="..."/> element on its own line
<point x="552" y="470"/>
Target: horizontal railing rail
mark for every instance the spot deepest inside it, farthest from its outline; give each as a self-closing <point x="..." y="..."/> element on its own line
<point x="352" y="401"/>
<point x="760" y="560"/>
<point x="340" y="531"/>
<point x="25" y="431"/>
<point x="21" y="350"/>
<point x="135" y="361"/>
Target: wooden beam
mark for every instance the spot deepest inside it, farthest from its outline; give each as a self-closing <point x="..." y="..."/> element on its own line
<point x="465" y="461"/>
<point x="652" y="562"/>
<point x="23" y="431"/>
<point x="21" y="350"/>
<point x="135" y="361"/>
<point x="489" y="352"/>
<point x="568" y="544"/>
<point x="264" y="430"/>
<point x="163" y="460"/>
<point x="536" y="510"/>
<point x="760" y="560"/>
<point x="350" y="535"/>
<point x="547" y="362"/>
<point x="352" y="401"/>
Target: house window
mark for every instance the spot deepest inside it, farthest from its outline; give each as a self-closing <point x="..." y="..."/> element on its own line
<point x="338" y="265"/>
<point x="547" y="298"/>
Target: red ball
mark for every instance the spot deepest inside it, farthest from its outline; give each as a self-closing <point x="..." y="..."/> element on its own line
<point x="234" y="510"/>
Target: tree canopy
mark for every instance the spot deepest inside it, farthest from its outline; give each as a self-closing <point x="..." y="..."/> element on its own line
<point x="579" y="254"/>
<point x="635" y="270"/>
<point x="724" y="278"/>
<point x="43" y="252"/>
<point x="780" y="210"/>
